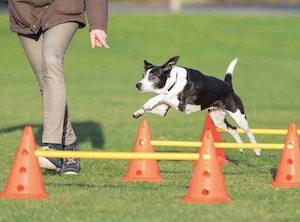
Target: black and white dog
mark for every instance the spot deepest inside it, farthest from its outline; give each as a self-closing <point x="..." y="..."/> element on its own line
<point x="189" y="91"/>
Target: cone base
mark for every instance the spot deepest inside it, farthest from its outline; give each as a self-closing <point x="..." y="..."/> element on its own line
<point x="224" y="162"/>
<point x="23" y="196"/>
<point x="221" y="155"/>
<point x="285" y="185"/>
<point x="206" y="200"/>
<point x="156" y="180"/>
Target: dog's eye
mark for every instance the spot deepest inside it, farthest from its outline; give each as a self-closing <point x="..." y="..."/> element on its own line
<point x="152" y="76"/>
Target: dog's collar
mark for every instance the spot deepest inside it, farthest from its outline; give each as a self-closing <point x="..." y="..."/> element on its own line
<point x="173" y="84"/>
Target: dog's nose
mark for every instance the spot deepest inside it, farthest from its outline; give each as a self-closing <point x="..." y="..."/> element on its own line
<point x="138" y="85"/>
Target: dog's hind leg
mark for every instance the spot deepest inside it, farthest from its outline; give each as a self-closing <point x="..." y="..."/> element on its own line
<point x="242" y="121"/>
<point x="218" y="117"/>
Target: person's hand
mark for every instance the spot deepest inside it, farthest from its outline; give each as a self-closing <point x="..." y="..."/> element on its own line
<point x="98" y="38"/>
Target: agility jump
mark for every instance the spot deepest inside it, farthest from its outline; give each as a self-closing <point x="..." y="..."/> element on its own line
<point x="143" y="165"/>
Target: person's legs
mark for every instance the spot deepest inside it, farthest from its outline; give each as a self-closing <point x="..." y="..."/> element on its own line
<point x="33" y="47"/>
<point x="45" y="53"/>
<point x="57" y="125"/>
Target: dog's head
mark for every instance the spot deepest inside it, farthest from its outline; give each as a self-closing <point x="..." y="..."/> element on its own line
<point x="155" y="78"/>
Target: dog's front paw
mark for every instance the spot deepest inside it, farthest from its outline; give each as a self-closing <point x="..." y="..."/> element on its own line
<point x="138" y="113"/>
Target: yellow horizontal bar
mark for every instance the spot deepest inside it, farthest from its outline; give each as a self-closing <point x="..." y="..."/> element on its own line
<point x="219" y="145"/>
<point x="118" y="155"/>
<point x="262" y="131"/>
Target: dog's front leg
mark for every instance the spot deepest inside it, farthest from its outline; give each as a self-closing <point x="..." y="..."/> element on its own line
<point x="171" y="101"/>
<point x="160" y="109"/>
<point x="149" y="107"/>
<point x="153" y="102"/>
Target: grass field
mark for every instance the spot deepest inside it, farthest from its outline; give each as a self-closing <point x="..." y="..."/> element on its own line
<point x="102" y="98"/>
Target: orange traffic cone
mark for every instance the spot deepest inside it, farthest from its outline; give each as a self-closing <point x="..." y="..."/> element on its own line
<point x="143" y="170"/>
<point x="288" y="172"/>
<point x="25" y="178"/>
<point x="217" y="138"/>
<point x="207" y="184"/>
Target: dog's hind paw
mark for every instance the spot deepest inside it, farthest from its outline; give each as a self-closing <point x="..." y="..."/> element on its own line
<point x="257" y="152"/>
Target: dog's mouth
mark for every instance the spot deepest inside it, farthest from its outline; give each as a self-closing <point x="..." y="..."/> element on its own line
<point x="142" y="88"/>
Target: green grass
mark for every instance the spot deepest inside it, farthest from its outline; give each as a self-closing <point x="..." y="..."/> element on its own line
<point x="102" y="98"/>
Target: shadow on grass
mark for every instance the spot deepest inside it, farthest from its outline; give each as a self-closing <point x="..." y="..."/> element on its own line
<point x="273" y="172"/>
<point x="72" y="185"/>
<point x="239" y="162"/>
<point x="88" y="131"/>
<point x="84" y="185"/>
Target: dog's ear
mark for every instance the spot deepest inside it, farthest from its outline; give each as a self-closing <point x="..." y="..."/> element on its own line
<point x="147" y="65"/>
<point x="168" y="65"/>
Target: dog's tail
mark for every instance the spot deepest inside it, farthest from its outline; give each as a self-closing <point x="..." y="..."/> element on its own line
<point x="229" y="71"/>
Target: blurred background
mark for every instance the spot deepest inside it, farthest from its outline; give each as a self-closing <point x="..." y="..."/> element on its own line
<point x="177" y="5"/>
<point x="245" y="2"/>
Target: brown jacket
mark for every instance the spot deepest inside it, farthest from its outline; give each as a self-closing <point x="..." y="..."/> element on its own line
<point x="29" y="16"/>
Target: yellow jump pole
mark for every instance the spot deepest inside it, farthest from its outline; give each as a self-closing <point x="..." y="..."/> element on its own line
<point x="261" y="131"/>
<point x="118" y="155"/>
<point x="218" y="145"/>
